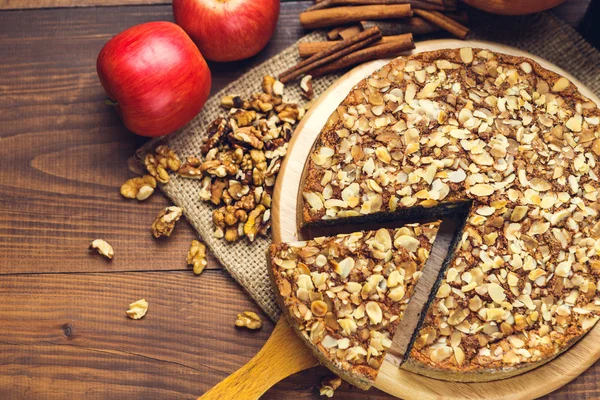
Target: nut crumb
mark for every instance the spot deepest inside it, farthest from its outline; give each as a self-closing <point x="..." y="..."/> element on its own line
<point x="329" y="385"/>
<point x="138" y="309"/>
<point x="248" y="319"/>
<point x="164" y="223"/>
<point x="102" y="247"/>
<point x="197" y="256"/>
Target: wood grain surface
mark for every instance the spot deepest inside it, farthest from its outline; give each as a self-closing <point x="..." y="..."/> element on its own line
<point x="63" y="156"/>
<point x="29" y="4"/>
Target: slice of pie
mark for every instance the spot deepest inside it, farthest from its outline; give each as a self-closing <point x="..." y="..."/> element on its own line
<point x="516" y="145"/>
<point x="347" y="294"/>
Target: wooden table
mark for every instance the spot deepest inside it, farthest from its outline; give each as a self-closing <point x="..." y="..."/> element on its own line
<point x="63" y="156"/>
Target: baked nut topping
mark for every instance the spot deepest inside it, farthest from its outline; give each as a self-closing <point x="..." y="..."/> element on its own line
<point x="241" y="159"/>
<point x="519" y="143"/>
<point x="346" y="294"/>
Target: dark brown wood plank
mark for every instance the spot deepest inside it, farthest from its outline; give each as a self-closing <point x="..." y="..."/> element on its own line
<point x="571" y="11"/>
<point x="65" y="336"/>
<point x="72" y="330"/>
<point x="64" y="153"/>
<point x="32" y="4"/>
<point x="62" y="158"/>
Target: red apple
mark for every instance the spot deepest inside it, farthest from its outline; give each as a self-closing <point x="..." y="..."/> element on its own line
<point x="228" y="30"/>
<point x="155" y="76"/>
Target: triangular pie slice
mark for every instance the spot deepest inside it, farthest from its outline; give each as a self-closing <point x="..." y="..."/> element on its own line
<point x="345" y="295"/>
<point x="520" y="145"/>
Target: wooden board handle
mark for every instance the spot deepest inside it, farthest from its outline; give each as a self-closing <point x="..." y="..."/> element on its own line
<point x="284" y="354"/>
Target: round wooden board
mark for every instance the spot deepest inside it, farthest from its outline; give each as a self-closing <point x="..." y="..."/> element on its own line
<point x="391" y="379"/>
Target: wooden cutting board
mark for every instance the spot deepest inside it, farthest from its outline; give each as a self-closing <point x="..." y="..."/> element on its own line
<point x="285" y="354"/>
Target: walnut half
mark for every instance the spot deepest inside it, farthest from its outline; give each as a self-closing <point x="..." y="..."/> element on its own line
<point x="139" y="188"/>
<point x="248" y="319"/>
<point x="103" y="248"/>
<point x="137" y="309"/>
<point x="197" y="256"/>
<point x="164" y="223"/>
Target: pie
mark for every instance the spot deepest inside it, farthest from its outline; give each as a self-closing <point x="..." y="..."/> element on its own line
<point x="515" y="147"/>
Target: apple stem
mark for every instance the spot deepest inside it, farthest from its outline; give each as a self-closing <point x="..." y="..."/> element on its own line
<point x="110" y="102"/>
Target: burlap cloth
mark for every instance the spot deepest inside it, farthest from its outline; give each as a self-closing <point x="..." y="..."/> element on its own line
<point x="541" y="34"/>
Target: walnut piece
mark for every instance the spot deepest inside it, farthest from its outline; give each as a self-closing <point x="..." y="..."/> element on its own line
<point x="248" y="319"/>
<point x="267" y="84"/>
<point x="139" y="188"/>
<point x="164" y="223"/>
<point x="254" y="222"/>
<point x="328" y="385"/>
<point x="307" y="87"/>
<point x="137" y="309"/>
<point x="162" y="160"/>
<point x="103" y="248"/>
<point x="167" y="158"/>
<point x="197" y="256"/>
<point x="191" y="168"/>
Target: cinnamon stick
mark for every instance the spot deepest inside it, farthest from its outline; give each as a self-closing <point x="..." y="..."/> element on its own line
<point x="345" y="15"/>
<point x="385" y="50"/>
<point x="334" y="34"/>
<point x="336" y="51"/>
<point x="350" y="31"/>
<point x="336" y="3"/>
<point x="414" y="25"/>
<point x="444" y="22"/>
<point x="440" y="5"/>
<point x="307" y="49"/>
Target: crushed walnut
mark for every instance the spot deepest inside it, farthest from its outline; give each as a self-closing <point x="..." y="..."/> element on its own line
<point x="103" y="248"/>
<point x="197" y="256"/>
<point x="329" y="385"/>
<point x="248" y="319"/>
<point x="165" y="221"/>
<point x="241" y="159"/>
<point x="160" y="162"/>
<point x="139" y="188"/>
<point x="137" y="309"/>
